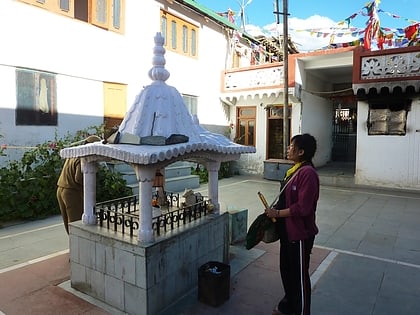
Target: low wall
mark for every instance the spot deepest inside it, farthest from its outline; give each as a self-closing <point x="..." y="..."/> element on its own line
<point x="144" y="278"/>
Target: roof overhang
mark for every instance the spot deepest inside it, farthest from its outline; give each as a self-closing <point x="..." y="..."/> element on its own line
<point x="232" y="98"/>
<point x="386" y="88"/>
<point x="386" y="72"/>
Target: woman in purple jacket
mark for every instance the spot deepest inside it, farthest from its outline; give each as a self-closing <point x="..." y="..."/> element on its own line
<point x="295" y="213"/>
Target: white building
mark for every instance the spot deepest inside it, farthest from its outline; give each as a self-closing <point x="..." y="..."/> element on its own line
<point x="67" y="65"/>
<point x="362" y="107"/>
<point x="68" y="68"/>
<point x="387" y="85"/>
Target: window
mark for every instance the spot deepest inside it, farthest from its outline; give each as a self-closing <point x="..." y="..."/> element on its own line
<point x="164" y="28"/>
<point x="36" y="98"/>
<point x="100" y="13"/>
<point x="190" y="102"/>
<point x="173" y="34"/>
<point x="236" y="59"/>
<point x="115" y="104"/>
<point x="116" y="14"/>
<point x="185" y="39"/>
<point x="107" y="14"/>
<point x="193" y="43"/>
<point x="245" y="127"/>
<point x="65" y="5"/>
<point x="180" y="36"/>
<point x="388" y="117"/>
<point x="276" y="112"/>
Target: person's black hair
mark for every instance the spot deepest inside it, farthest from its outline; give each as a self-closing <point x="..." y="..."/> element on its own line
<point x="307" y="143"/>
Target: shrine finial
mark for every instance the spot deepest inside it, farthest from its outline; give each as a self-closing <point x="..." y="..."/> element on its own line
<point x="158" y="72"/>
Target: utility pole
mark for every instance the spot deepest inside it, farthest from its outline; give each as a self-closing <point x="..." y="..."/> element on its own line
<point x="285" y="13"/>
<point x="243" y="16"/>
<point x="243" y="5"/>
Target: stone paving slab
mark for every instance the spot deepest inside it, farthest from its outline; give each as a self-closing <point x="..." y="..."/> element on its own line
<point x="356" y="284"/>
<point x="369" y="238"/>
<point x="43" y="287"/>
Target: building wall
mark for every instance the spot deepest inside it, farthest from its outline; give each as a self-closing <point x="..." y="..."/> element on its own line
<point x="253" y="163"/>
<point x="314" y="114"/>
<point x="84" y="56"/>
<point x="389" y="161"/>
<point x="79" y="104"/>
<point x="201" y="77"/>
<point x="317" y="121"/>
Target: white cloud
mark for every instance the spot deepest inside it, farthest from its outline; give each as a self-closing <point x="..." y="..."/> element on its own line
<point x="303" y="39"/>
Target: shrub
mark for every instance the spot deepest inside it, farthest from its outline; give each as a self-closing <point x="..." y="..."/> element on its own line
<point x="28" y="186"/>
<point x="110" y="185"/>
<point x="225" y="171"/>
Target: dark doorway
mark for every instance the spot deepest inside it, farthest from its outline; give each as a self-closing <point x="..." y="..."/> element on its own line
<point x="275" y="132"/>
<point x="344" y="130"/>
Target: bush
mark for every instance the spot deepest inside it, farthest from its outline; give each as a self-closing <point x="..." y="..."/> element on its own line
<point x="28" y="186"/>
<point x="225" y="171"/>
<point x="110" y="185"/>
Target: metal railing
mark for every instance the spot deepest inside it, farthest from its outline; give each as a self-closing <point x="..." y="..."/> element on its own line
<point x="122" y="214"/>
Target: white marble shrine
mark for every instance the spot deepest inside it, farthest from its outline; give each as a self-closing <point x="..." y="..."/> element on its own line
<point x="157" y="113"/>
<point x="145" y="275"/>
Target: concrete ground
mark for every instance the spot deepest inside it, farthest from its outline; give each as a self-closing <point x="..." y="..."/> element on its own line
<point x="366" y="259"/>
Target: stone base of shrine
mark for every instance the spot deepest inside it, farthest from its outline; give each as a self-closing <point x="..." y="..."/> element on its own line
<point x="144" y="278"/>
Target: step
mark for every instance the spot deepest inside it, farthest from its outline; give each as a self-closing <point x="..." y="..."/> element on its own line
<point x="130" y="178"/>
<point x="173" y="170"/>
<point x="177" y="184"/>
<point x="336" y="181"/>
<point x="120" y="167"/>
<point x="177" y="176"/>
<point x="177" y="171"/>
<point x="134" y="188"/>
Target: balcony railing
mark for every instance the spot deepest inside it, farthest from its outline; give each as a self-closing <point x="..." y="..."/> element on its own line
<point x="386" y="65"/>
<point x="266" y="76"/>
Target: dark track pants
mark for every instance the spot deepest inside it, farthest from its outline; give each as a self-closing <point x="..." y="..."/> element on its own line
<point x="294" y="270"/>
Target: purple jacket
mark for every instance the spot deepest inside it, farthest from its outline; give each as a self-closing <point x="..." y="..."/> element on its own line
<point x="302" y="194"/>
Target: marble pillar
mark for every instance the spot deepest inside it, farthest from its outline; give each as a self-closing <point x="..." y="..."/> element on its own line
<point x="89" y="170"/>
<point x="145" y="177"/>
<point x="213" y="171"/>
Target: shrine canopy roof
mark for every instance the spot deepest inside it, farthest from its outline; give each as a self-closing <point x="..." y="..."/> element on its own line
<point x="159" y="128"/>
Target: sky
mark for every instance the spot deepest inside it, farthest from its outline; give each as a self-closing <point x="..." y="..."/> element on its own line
<point x="312" y="23"/>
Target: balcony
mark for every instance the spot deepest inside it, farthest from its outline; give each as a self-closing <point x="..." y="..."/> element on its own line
<point x="259" y="80"/>
<point x="386" y="71"/>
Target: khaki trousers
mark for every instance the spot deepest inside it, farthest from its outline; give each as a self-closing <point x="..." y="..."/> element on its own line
<point x="71" y="205"/>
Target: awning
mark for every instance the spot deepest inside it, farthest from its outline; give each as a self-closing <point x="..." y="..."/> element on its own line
<point x="232" y="98"/>
<point x="386" y="88"/>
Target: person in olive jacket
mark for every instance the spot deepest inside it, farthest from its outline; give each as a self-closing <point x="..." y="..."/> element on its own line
<point x="295" y="213"/>
<point x="70" y="188"/>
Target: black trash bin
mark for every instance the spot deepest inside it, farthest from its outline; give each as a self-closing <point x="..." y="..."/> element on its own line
<point x="214" y="283"/>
